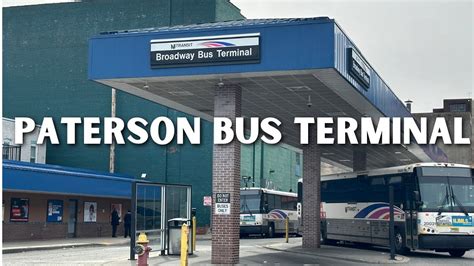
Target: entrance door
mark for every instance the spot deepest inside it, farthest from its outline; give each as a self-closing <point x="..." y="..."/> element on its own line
<point x="154" y="204"/>
<point x="72" y="218"/>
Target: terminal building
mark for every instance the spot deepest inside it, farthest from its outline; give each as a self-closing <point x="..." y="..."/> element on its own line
<point x="56" y="85"/>
<point x="251" y="68"/>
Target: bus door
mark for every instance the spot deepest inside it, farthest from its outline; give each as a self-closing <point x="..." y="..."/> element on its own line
<point x="411" y="212"/>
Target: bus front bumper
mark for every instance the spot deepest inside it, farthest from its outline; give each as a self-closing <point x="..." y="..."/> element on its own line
<point x="446" y="242"/>
<point x="253" y="229"/>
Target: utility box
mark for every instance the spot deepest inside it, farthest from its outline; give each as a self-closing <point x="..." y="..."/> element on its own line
<point x="174" y="235"/>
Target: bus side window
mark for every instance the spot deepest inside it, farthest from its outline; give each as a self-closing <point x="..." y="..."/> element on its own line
<point x="271" y="202"/>
<point x="265" y="203"/>
<point x="278" y="201"/>
<point x="288" y="203"/>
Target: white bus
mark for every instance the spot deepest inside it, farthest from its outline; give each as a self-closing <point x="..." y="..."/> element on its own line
<point x="263" y="212"/>
<point x="434" y="207"/>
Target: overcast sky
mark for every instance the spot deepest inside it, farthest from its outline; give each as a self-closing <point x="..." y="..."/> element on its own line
<point x="422" y="49"/>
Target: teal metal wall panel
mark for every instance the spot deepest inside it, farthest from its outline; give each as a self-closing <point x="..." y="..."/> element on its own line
<point x="45" y="74"/>
<point x="279" y="166"/>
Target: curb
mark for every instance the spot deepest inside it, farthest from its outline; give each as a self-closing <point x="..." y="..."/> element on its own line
<point x="77" y="245"/>
<point x="203" y="237"/>
<point x="52" y="247"/>
<point x="398" y="258"/>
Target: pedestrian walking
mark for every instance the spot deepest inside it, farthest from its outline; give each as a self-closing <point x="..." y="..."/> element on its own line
<point x="115" y="221"/>
<point x="127" y="223"/>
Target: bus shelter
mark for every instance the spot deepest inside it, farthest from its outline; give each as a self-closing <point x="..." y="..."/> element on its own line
<point x="153" y="205"/>
<point x="282" y="68"/>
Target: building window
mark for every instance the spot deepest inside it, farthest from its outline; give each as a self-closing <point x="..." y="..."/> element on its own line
<point x="33" y="152"/>
<point x="458" y="107"/>
<point x="298" y="165"/>
<point x="10" y="152"/>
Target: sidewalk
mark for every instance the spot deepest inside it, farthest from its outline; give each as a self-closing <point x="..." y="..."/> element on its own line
<point x="49" y="244"/>
<point x="22" y="246"/>
<point x="346" y="253"/>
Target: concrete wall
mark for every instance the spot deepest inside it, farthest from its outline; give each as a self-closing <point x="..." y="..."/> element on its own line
<point x="8" y="138"/>
<point x="38" y="228"/>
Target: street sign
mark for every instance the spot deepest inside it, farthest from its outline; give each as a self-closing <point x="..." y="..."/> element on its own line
<point x="222" y="206"/>
<point x="207" y="201"/>
<point x="222" y="197"/>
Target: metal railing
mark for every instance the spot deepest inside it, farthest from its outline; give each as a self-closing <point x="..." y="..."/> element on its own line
<point x="10" y="152"/>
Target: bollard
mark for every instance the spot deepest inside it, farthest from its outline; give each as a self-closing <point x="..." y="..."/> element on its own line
<point x="184" y="245"/>
<point x="194" y="233"/>
<point x="287" y="228"/>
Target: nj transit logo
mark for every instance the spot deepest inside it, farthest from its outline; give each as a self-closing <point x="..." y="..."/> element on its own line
<point x="181" y="45"/>
<point x="217" y="44"/>
<point x="462" y="221"/>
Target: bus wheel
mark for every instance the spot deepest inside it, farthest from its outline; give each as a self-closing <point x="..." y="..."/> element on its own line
<point x="457" y="253"/>
<point x="326" y="241"/>
<point x="271" y="231"/>
<point x="399" y="242"/>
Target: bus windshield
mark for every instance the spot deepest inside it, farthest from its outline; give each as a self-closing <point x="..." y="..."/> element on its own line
<point x="446" y="189"/>
<point x="250" y="203"/>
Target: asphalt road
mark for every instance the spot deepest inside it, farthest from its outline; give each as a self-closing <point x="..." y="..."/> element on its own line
<point x="427" y="257"/>
<point x="252" y="252"/>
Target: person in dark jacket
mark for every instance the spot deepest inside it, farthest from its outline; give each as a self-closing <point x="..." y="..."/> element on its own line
<point x="127" y="223"/>
<point x="115" y="221"/>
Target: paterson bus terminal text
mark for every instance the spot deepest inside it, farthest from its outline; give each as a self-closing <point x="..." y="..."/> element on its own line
<point x="322" y="130"/>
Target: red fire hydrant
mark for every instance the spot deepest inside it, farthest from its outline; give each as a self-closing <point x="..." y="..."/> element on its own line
<point x="142" y="250"/>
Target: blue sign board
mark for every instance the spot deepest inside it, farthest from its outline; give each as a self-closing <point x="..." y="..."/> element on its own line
<point x="358" y="68"/>
<point x="210" y="50"/>
<point x="55" y="211"/>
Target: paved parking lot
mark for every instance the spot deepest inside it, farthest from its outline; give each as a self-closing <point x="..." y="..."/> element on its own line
<point x="253" y="251"/>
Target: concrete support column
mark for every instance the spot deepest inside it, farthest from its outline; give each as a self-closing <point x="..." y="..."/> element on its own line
<point x="311" y="195"/>
<point x="226" y="179"/>
<point x="359" y="158"/>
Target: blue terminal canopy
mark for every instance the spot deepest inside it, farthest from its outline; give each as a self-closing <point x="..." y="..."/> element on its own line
<point x="44" y="178"/>
<point x="291" y="61"/>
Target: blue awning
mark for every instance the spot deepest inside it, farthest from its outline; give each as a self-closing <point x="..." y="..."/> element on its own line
<point x="297" y="59"/>
<point x="44" y="178"/>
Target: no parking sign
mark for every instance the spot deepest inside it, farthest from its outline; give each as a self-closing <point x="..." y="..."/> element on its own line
<point x="207" y="201"/>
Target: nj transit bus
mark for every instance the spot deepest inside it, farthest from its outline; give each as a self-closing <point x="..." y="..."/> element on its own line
<point x="263" y="212"/>
<point x="434" y="207"/>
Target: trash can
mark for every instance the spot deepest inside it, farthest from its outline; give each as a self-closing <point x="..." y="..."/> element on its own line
<point x="174" y="235"/>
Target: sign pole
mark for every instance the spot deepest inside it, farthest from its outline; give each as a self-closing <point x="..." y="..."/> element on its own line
<point x="133" y="221"/>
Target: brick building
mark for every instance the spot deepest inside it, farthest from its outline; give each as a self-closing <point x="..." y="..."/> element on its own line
<point x="44" y="201"/>
<point x="463" y="154"/>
